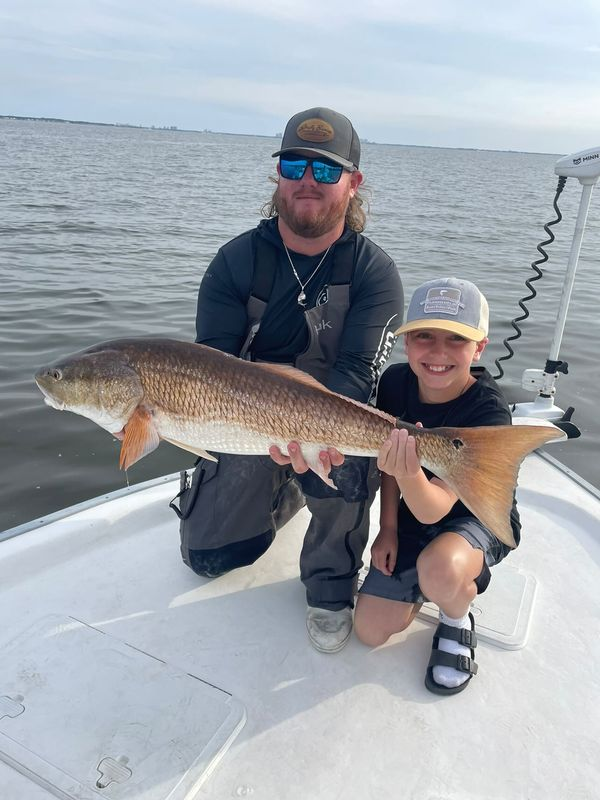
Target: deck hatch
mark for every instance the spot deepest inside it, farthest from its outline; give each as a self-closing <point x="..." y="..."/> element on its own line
<point x="104" y="719"/>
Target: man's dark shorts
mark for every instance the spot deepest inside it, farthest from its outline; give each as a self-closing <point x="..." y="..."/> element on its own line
<point x="403" y="584"/>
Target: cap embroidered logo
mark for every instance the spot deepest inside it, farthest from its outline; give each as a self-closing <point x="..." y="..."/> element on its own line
<point x="315" y="130"/>
<point x="442" y="301"/>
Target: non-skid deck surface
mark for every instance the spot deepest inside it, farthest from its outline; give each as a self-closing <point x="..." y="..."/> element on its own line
<point x="358" y="723"/>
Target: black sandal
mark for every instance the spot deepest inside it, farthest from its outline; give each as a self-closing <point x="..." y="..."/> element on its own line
<point x="441" y="658"/>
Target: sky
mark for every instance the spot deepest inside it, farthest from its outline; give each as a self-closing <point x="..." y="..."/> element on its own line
<point x="444" y="73"/>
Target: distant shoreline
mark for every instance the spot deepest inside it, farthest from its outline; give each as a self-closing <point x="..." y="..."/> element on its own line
<point x="168" y="128"/>
<point x="174" y="128"/>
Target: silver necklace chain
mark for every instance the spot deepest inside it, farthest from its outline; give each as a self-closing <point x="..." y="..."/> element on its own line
<point x="302" y="295"/>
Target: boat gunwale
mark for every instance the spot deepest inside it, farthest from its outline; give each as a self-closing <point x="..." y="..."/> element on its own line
<point x="85" y="505"/>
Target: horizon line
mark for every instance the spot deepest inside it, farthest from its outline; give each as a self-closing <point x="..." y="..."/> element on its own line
<point x="176" y="129"/>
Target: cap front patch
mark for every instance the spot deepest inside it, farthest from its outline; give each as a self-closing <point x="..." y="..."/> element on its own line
<point x="442" y="300"/>
<point x="315" y="130"/>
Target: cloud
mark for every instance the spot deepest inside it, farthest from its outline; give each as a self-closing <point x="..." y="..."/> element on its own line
<point x="577" y="23"/>
<point x="551" y="22"/>
<point x="439" y="72"/>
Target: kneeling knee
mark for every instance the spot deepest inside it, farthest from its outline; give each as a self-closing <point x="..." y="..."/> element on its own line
<point x="214" y="562"/>
<point x="370" y="635"/>
<point x="372" y="632"/>
<point x="207" y="564"/>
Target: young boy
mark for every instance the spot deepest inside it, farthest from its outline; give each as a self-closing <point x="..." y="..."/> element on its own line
<point x="430" y="546"/>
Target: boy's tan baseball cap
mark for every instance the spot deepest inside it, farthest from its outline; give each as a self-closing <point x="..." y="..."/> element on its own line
<point x="448" y="304"/>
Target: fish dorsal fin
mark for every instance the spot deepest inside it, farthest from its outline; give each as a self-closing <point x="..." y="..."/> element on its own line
<point x="377" y="411"/>
<point x="141" y="438"/>
<point x="293" y="373"/>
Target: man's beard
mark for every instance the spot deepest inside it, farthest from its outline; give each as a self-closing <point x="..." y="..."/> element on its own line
<point x="314" y="224"/>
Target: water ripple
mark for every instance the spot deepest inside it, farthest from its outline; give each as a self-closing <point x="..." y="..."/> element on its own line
<point x="106" y="232"/>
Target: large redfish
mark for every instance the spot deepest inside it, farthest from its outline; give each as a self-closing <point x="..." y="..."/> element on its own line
<point x="198" y="398"/>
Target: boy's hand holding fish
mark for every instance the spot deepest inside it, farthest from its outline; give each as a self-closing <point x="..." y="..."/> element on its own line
<point x="429" y="500"/>
<point x="398" y="455"/>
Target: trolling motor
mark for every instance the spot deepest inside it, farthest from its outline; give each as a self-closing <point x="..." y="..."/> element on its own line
<point x="585" y="166"/>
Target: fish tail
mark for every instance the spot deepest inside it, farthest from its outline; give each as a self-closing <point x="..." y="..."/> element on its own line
<point x="486" y="477"/>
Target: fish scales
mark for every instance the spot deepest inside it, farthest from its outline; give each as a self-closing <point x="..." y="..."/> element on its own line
<point x="299" y="411"/>
<point x="198" y="398"/>
<point x="227" y="390"/>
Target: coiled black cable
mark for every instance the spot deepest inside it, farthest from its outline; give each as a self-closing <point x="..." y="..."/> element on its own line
<point x="534" y="266"/>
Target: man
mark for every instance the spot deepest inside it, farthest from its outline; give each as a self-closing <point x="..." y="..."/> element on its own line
<point x="303" y="288"/>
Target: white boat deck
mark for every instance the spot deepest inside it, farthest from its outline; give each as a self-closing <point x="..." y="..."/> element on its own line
<point x="357" y="724"/>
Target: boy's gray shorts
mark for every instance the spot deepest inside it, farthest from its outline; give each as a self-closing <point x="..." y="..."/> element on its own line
<point x="403" y="584"/>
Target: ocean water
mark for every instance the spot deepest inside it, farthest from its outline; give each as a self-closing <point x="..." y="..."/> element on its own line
<point x="107" y="231"/>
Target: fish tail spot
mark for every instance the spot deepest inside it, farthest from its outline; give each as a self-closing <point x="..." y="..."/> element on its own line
<point x="484" y="475"/>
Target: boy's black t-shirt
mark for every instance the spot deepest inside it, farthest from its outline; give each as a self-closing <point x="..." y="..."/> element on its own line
<point x="482" y="404"/>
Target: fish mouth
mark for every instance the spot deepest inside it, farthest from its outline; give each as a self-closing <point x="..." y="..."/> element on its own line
<point x="49" y="400"/>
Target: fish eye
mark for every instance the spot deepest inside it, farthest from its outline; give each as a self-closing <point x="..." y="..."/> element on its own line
<point x="55" y="373"/>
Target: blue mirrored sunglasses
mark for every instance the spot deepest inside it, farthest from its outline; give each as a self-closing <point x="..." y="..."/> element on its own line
<point x="293" y="169"/>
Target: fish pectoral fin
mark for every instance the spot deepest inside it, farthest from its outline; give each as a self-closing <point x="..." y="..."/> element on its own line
<point x="140" y="438"/>
<point x="198" y="451"/>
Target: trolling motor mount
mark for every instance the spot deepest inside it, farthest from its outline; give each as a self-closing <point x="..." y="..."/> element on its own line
<point x="585" y="166"/>
<point x="542" y="380"/>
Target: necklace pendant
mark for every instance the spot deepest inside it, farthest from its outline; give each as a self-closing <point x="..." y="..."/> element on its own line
<point x="302" y="299"/>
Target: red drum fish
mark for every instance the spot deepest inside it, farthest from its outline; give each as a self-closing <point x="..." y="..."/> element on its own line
<point x="200" y="399"/>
